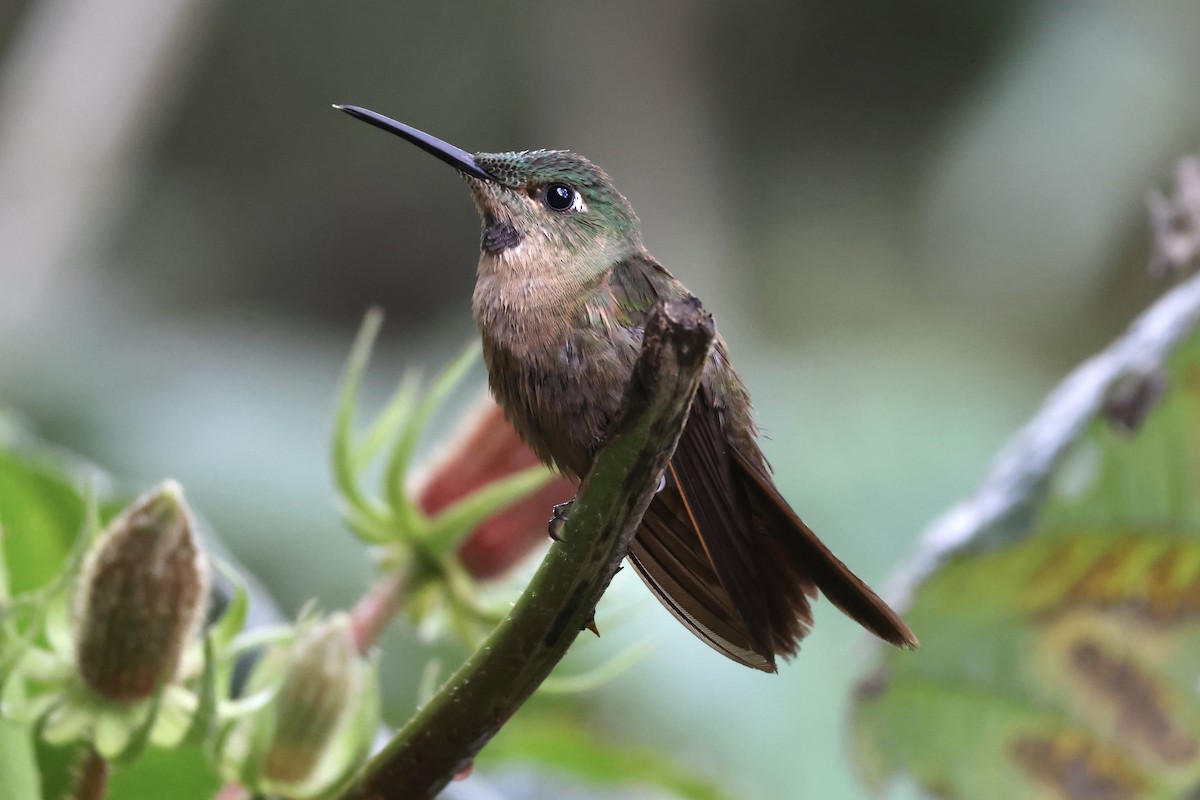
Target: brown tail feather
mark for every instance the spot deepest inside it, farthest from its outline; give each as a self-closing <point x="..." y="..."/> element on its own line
<point x="726" y="554"/>
<point x="812" y="560"/>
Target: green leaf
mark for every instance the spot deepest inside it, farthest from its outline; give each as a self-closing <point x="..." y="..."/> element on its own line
<point x="233" y="618"/>
<point x="1059" y="609"/>
<point x="394" y="416"/>
<point x="18" y="761"/>
<point x="453" y="523"/>
<point x="180" y="774"/>
<point x="204" y="720"/>
<point x="41" y="512"/>
<point x="56" y="767"/>
<point x="556" y="743"/>
<point x="5" y="594"/>
<point x="401" y="454"/>
<point x="345" y="470"/>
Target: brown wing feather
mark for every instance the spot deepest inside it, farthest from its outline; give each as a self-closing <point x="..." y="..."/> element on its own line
<point x="696" y="550"/>
<point x="670" y="558"/>
<point x="702" y="472"/>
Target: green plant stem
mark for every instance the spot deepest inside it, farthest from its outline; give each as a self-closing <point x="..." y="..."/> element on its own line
<point x="444" y="737"/>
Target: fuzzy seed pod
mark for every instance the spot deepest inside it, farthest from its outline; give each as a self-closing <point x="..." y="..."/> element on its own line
<point x="322" y="679"/>
<point x="140" y="598"/>
<point x="320" y="725"/>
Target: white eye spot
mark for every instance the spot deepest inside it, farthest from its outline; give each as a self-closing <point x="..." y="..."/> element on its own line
<point x="577" y="203"/>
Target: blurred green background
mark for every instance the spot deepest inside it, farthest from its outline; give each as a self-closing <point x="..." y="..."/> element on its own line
<point x="909" y="220"/>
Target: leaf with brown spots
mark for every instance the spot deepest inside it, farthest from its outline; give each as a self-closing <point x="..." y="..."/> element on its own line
<point x="1059" y="608"/>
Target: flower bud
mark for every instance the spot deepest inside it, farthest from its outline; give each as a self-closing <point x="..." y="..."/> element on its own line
<point x="319" y="726"/>
<point x="140" y="597"/>
<point x="486" y="448"/>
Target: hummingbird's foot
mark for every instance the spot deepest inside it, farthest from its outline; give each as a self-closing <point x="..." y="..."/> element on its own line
<point x="590" y="625"/>
<point x="558" y="519"/>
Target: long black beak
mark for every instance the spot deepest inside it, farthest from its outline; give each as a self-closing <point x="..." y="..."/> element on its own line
<point x="456" y="157"/>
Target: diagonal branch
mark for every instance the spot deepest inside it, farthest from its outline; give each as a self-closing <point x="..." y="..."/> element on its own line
<point x="1122" y="380"/>
<point x="443" y="738"/>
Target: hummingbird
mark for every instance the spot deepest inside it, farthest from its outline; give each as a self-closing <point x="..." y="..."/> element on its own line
<point x="563" y="287"/>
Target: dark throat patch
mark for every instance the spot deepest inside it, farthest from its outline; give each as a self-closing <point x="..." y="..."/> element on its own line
<point x="498" y="236"/>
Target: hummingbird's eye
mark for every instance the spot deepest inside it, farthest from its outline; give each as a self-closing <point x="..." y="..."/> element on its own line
<point x="560" y="197"/>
